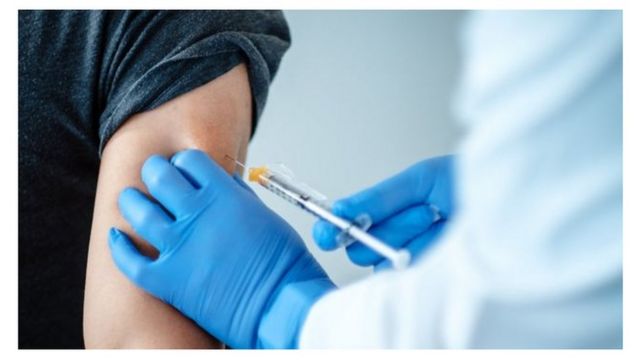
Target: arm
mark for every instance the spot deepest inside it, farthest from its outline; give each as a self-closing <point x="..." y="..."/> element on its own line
<point x="216" y="118"/>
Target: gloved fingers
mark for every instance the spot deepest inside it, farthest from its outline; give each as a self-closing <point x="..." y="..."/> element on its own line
<point x="390" y="196"/>
<point x="422" y="242"/>
<point x="406" y="230"/>
<point x="146" y="217"/>
<point x="395" y="230"/>
<point x="167" y="184"/>
<point x="201" y="168"/>
<point x="416" y="246"/>
<point x="324" y="234"/>
<point x="404" y="225"/>
<point x="127" y="257"/>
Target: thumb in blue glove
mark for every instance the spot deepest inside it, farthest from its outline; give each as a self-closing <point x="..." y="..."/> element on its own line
<point x="225" y="259"/>
<point x="408" y="210"/>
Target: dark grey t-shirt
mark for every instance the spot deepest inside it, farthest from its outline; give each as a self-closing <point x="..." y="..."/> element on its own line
<point x="81" y="75"/>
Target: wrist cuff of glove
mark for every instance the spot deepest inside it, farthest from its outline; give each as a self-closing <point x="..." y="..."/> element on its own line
<point x="283" y="320"/>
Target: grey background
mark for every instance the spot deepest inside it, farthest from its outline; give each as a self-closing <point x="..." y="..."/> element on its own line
<point x="359" y="96"/>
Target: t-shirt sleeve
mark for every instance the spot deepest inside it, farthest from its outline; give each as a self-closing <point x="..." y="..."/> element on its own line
<point x="151" y="57"/>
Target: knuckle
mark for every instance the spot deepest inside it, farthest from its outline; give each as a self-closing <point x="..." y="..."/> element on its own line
<point x="146" y="216"/>
<point x="157" y="232"/>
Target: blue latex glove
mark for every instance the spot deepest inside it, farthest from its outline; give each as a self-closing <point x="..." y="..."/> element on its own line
<point x="401" y="209"/>
<point x="226" y="260"/>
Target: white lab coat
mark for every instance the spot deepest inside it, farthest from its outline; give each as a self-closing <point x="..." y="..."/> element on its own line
<point x="534" y="257"/>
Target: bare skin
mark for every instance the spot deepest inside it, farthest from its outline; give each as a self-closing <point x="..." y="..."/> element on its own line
<point x="215" y="118"/>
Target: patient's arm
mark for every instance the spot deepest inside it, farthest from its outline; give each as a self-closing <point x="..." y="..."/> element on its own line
<point x="216" y="118"/>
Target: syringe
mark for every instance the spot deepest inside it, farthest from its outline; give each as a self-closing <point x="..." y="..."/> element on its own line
<point x="285" y="187"/>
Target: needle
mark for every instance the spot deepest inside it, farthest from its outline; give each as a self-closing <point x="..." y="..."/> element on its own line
<point x="236" y="161"/>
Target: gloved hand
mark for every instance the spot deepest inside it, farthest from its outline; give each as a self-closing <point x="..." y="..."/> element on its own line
<point x="226" y="260"/>
<point x="408" y="210"/>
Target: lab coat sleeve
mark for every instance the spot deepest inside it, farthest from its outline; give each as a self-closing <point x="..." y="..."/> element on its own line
<point x="534" y="257"/>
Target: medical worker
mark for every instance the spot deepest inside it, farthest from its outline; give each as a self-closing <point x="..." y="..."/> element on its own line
<point x="526" y="251"/>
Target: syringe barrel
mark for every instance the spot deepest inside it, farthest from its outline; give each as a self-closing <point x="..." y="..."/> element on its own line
<point x="297" y="196"/>
<point x="289" y="191"/>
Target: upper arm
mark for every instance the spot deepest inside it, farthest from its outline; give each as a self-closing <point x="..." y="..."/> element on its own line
<point x="216" y="118"/>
